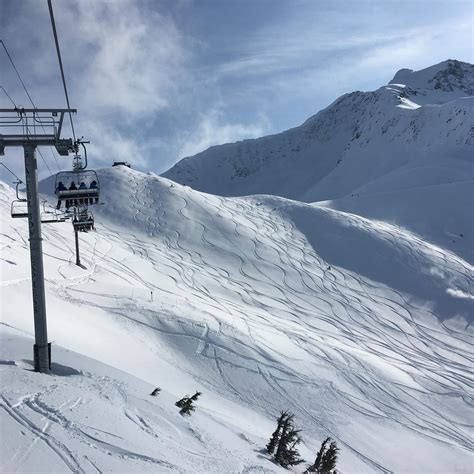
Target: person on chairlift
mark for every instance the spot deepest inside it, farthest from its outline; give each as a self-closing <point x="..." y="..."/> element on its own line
<point x="94" y="186"/>
<point x="60" y="187"/>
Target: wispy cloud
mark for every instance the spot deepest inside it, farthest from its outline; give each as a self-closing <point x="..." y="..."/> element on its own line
<point x="131" y="58"/>
<point x="306" y="53"/>
<point x="214" y="129"/>
<point x="123" y="65"/>
<point x="168" y="79"/>
<point x="459" y="294"/>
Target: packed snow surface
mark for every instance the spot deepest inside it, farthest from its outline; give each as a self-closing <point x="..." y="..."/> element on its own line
<point x="360" y="327"/>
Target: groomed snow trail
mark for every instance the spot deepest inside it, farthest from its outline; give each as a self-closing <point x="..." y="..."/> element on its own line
<point x="359" y="327"/>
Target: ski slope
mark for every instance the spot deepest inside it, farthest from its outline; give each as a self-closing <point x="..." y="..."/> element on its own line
<point x="360" y="327"/>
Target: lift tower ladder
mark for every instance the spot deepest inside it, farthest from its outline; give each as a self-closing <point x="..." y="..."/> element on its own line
<point x="24" y="125"/>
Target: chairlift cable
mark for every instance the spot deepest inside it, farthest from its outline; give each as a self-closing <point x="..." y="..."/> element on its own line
<point x="45" y="162"/>
<point x="58" y="51"/>
<point x="17" y="73"/>
<point x="6" y="93"/>
<point x="39" y="151"/>
<point x="77" y="197"/>
<point x="31" y="100"/>
<point x="19" y="180"/>
<point x="8" y="169"/>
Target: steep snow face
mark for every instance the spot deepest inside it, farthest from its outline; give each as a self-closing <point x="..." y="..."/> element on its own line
<point x="360" y="327"/>
<point x="416" y="132"/>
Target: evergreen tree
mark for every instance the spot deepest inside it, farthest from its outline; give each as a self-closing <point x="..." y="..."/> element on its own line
<point x="326" y="458"/>
<point x="290" y="455"/>
<point x="328" y="463"/>
<point x="287" y="453"/>
<point x="281" y="446"/>
<point x="180" y="403"/>
<point x="156" y="392"/>
<point x="272" y="444"/>
<point x="187" y="404"/>
<point x="195" y="397"/>
<point x="317" y="463"/>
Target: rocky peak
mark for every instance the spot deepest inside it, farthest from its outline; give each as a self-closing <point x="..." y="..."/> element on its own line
<point x="449" y="77"/>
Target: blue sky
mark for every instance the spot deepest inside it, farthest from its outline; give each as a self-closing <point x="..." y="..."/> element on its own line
<point x="157" y="80"/>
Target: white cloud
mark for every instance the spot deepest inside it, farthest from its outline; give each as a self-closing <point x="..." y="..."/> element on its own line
<point x="111" y="145"/>
<point x="213" y="129"/>
<point x="124" y="63"/>
<point x="343" y="53"/>
<point x="130" y="69"/>
<point x="459" y="294"/>
<point x="133" y="57"/>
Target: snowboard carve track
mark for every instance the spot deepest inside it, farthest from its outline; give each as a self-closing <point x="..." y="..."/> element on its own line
<point x="57" y="446"/>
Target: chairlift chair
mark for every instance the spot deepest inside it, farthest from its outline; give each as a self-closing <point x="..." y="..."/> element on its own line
<point x="52" y="216"/>
<point x="19" y="207"/>
<point x="77" y="188"/>
<point x="83" y="221"/>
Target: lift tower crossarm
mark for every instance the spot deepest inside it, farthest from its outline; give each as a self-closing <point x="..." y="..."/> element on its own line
<point x="22" y="121"/>
<point x="41" y="111"/>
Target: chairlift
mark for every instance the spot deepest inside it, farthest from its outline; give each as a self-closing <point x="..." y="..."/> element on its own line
<point x="51" y="215"/>
<point x="79" y="187"/>
<point x="19" y="207"/>
<point x="83" y="221"/>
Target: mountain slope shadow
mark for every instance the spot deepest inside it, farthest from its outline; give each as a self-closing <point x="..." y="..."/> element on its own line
<point x="426" y="275"/>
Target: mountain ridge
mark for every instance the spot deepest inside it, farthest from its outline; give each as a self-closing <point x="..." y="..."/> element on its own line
<point x="396" y="137"/>
<point x="388" y="125"/>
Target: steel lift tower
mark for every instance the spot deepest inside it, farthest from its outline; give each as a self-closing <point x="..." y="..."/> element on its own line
<point x="24" y="124"/>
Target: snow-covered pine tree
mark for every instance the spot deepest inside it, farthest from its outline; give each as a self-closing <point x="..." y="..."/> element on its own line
<point x="328" y="463"/>
<point x="326" y="458"/>
<point x="186" y="404"/>
<point x="272" y="444"/>
<point x="317" y="463"/>
<point x="180" y="403"/>
<point x="195" y="397"/>
<point x="291" y="455"/>
<point x="287" y="453"/>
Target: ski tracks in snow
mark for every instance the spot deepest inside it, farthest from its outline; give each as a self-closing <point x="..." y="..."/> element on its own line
<point x="59" y="448"/>
<point x="256" y="298"/>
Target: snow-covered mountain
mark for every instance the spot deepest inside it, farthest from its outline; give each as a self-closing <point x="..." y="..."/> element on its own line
<point x="416" y="131"/>
<point x="359" y="327"/>
<point x="354" y="312"/>
<point x="413" y="138"/>
<point x="421" y="119"/>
